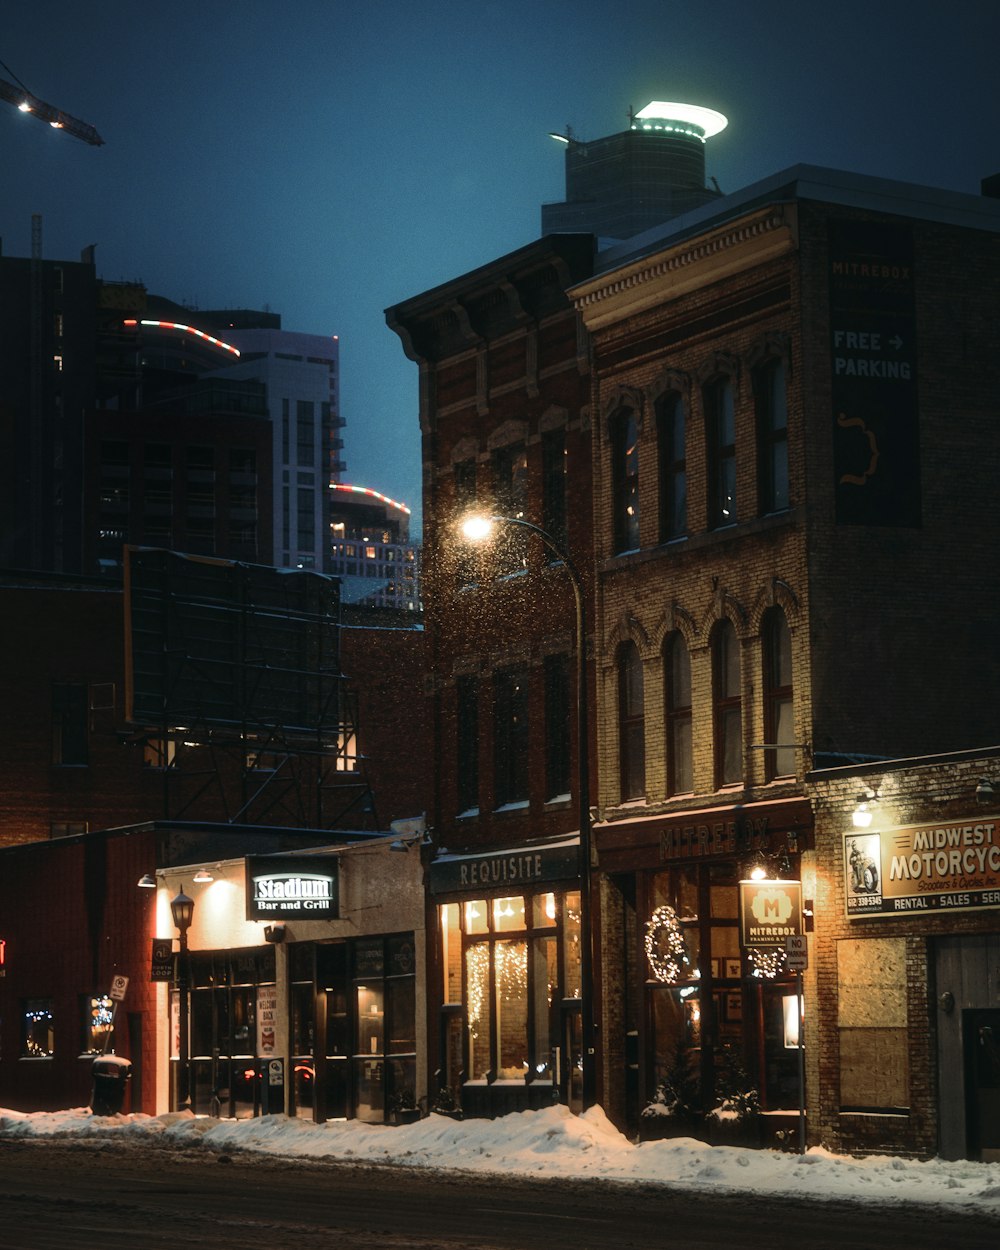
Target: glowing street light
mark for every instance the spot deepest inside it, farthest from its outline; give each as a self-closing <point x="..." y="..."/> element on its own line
<point x="479" y="529"/>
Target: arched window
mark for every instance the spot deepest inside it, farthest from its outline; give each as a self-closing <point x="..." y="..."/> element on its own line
<point x="772" y="435"/>
<point x="728" y="705"/>
<point x="778" y="727"/>
<point x="672" y="466"/>
<point x="677" y="694"/>
<point x="625" y="480"/>
<point x="631" y="726"/>
<point x="720" y="439"/>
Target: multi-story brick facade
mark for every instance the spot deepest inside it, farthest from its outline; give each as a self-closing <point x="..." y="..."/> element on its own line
<point x="504" y="409"/>
<point x="793" y="443"/>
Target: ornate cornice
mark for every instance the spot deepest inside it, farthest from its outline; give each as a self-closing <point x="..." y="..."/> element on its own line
<point x="672" y="272"/>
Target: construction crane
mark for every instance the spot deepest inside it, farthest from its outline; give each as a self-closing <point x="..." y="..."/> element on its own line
<point x="22" y="99"/>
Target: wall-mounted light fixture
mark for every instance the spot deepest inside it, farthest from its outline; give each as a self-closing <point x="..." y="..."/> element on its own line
<point x="147" y="881"/>
<point x="202" y="877"/>
<point x="985" y="791"/>
<point x="861" y="817"/>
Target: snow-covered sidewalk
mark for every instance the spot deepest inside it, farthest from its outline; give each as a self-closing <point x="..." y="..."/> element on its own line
<point x="549" y="1143"/>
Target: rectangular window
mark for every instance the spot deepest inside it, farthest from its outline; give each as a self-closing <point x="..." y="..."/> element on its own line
<point x="67" y="828"/>
<point x="510" y="735"/>
<point x="772" y="436"/>
<point x="305" y="432"/>
<point x="37" y="1029"/>
<point x="631" y="724"/>
<point x="510" y="491"/>
<point x="554" y="484"/>
<point x="673" y="467"/>
<point x="557" y="727"/>
<point x="720" y="422"/>
<point x="467" y="745"/>
<point x="70" y="724"/>
<point x="98" y="1018"/>
<point x="625" y="481"/>
<point x="677" y="673"/>
<point x="728" y="707"/>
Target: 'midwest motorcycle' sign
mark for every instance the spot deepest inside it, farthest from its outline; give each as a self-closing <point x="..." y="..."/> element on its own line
<point x="284" y="889"/>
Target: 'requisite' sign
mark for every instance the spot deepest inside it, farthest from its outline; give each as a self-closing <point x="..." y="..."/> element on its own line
<point x="282" y="888"/>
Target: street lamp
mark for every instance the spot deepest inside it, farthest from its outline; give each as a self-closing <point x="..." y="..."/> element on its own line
<point x="478" y="529"/>
<point x="182" y="910"/>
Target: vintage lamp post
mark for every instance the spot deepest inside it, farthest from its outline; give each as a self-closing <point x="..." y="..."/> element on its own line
<point x="479" y="529"/>
<point x="182" y="910"/>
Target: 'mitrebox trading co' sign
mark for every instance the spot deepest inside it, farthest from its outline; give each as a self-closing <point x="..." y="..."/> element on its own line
<point x="281" y="888"/>
<point x="770" y="913"/>
<point x="916" y="869"/>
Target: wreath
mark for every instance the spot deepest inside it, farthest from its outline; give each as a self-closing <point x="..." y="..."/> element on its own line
<point x="665" y="947"/>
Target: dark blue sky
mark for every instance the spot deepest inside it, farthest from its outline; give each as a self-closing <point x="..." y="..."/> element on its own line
<point x="328" y="158"/>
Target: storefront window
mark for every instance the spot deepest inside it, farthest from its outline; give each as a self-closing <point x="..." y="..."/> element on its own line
<point x="709" y="1028"/>
<point x="521" y="969"/>
<point x="512" y="1008"/>
<point x="478" y="1013"/>
<point x="98" y="1018"/>
<point x="38" y="1032"/>
<point x="228" y="1045"/>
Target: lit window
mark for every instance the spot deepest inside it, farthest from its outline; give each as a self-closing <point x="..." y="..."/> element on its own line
<point x="98" y="1019"/>
<point x="37" y="1029"/>
<point x="720" y="422"/>
<point x="625" y="481"/>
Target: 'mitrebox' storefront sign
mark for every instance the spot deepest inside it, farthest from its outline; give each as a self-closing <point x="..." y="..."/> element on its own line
<point x="282" y="888"/>
<point x="953" y="866"/>
<point x="770" y="912"/>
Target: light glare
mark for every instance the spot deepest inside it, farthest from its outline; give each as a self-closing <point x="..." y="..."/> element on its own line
<point x="477" y="529"/>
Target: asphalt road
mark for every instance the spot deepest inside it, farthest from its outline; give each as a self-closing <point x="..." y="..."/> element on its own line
<point x="55" y="1196"/>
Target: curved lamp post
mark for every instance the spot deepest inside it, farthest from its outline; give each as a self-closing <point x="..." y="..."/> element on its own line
<point x="479" y="529"/>
<point x="182" y="910"/>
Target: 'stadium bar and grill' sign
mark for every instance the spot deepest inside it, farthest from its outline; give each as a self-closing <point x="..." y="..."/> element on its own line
<point x="281" y="888"/>
<point x="916" y="869"/>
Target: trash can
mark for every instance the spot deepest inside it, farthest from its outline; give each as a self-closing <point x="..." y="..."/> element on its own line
<point x="111" y="1074"/>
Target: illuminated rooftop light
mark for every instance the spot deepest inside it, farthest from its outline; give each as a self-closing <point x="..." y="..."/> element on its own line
<point x="366" y="490"/>
<point x="707" y="122"/>
<point x="24" y="106"/>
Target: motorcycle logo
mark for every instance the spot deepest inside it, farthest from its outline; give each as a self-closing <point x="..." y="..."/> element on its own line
<point x="863" y="867"/>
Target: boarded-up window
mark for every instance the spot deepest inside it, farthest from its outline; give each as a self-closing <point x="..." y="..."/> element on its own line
<point x="871" y="1013"/>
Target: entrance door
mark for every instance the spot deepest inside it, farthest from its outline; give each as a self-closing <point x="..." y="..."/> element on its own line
<point x="981" y="1033"/>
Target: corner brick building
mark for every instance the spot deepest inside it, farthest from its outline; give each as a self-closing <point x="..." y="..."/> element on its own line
<point x="794" y="457"/>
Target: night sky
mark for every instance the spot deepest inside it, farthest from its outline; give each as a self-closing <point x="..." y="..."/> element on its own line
<point x="328" y="159"/>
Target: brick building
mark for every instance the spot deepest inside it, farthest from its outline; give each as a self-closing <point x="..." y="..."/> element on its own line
<point x="504" y="411"/>
<point x="95" y="800"/>
<point x="904" y="1047"/>
<point x="793" y="450"/>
